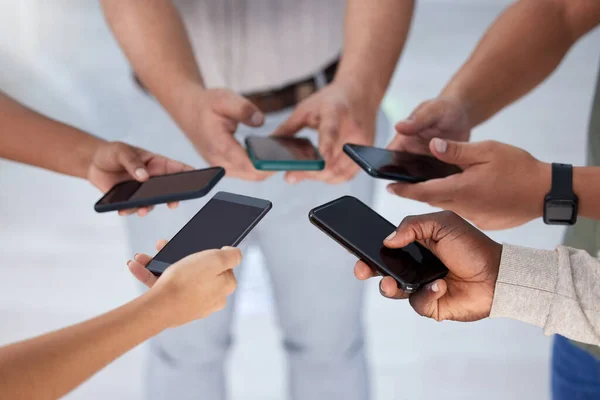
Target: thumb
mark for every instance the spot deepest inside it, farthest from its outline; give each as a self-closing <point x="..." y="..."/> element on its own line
<point x="240" y="109"/>
<point x="295" y="122"/>
<point x="423" y="117"/>
<point x="458" y="153"/>
<point x="425" y="301"/>
<point x="131" y="160"/>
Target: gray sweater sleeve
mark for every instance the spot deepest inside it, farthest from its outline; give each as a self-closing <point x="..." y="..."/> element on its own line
<point x="558" y="291"/>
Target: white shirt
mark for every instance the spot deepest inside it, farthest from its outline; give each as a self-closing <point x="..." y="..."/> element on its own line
<point x="257" y="45"/>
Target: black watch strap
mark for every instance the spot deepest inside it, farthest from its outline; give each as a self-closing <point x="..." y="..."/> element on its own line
<point x="562" y="181"/>
<point x="561" y="204"/>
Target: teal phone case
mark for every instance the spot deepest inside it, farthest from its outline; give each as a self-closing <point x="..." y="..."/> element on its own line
<point x="284" y="165"/>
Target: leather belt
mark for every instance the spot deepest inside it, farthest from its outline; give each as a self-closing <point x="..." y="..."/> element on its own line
<point x="290" y="95"/>
<point x="287" y="96"/>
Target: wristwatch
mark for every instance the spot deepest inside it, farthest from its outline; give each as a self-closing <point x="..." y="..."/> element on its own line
<point x="560" y="205"/>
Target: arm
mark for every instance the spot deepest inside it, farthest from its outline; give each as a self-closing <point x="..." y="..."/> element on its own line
<point x="34" y="139"/>
<point x="345" y="111"/>
<point x="521" y="49"/>
<point x="156" y="43"/>
<point x="500" y="187"/>
<point x="31" y="138"/>
<point x="375" y="31"/>
<point x="558" y="291"/>
<point x="51" y="365"/>
<point x="154" y="39"/>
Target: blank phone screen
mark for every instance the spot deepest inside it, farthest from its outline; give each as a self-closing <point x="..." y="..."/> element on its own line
<point x="219" y="223"/>
<point x="156" y="186"/>
<point x="403" y="164"/>
<point x="283" y="149"/>
<point x="364" y="230"/>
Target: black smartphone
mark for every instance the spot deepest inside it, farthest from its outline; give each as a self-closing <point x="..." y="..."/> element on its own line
<point x="283" y="154"/>
<point x="361" y="231"/>
<point x="160" y="189"/>
<point x="398" y="165"/>
<point x="224" y="221"/>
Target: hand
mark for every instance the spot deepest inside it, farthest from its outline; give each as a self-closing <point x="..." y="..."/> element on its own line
<point x="501" y="186"/>
<point x="443" y="117"/>
<point x="116" y="162"/>
<point x="341" y="115"/>
<point x="473" y="259"/>
<point x="210" y="118"/>
<point x="193" y="287"/>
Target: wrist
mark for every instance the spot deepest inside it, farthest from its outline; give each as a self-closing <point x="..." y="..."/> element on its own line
<point x="539" y="188"/>
<point x="184" y="101"/>
<point x="84" y="154"/>
<point x="369" y="96"/>
<point x="160" y="301"/>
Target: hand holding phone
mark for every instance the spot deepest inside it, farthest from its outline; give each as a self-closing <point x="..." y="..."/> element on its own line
<point x="362" y="231"/>
<point x="473" y="260"/>
<point x="224" y="221"/>
<point x="283" y="154"/>
<point x="398" y="165"/>
<point x="193" y="287"/>
<point x="160" y="189"/>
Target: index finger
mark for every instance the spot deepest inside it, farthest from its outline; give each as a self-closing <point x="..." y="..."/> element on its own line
<point x="295" y="122"/>
<point x="431" y="191"/>
<point x="219" y="260"/>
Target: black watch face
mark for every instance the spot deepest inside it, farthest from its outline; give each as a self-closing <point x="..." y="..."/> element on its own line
<point x="560" y="212"/>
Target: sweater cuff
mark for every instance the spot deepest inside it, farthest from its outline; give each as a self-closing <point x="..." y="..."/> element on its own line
<point x="526" y="284"/>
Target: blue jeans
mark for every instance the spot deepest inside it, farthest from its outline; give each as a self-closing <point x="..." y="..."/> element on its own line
<point x="575" y="372"/>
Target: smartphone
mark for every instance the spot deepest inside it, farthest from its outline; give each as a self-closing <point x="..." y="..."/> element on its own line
<point x="160" y="189"/>
<point x="361" y="231"/>
<point x="398" y="165"/>
<point x="224" y="221"/>
<point x="283" y="154"/>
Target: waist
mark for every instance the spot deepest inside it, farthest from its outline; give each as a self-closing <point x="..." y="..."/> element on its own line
<point x="288" y="96"/>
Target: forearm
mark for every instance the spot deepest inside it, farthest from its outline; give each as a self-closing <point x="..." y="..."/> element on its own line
<point x="375" y="33"/>
<point x="521" y="49"/>
<point x="586" y="185"/>
<point x="49" y="366"/>
<point x="31" y="138"/>
<point x="154" y="39"/>
<point x="558" y="291"/>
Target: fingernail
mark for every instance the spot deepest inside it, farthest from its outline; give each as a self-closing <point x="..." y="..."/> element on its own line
<point x="141" y="173"/>
<point x="227" y="248"/>
<point x="135" y="256"/>
<point x="391" y="236"/>
<point x="440" y="145"/>
<point x="434" y="287"/>
<point x="381" y="290"/>
<point x="390" y="189"/>
<point x="292" y="179"/>
<point x="257" y="118"/>
<point x="128" y="262"/>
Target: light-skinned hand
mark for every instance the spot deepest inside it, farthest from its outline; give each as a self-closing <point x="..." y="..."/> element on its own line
<point x="210" y="118"/>
<point x="442" y="117"/>
<point x="341" y="115"/>
<point x="473" y="259"/>
<point x="194" y="287"/>
<point x="501" y="186"/>
<point x="115" y="162"/>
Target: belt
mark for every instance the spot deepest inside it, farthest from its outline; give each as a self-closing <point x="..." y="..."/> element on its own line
<point x="292" y="94"/>
<point x="287" y="96"/>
